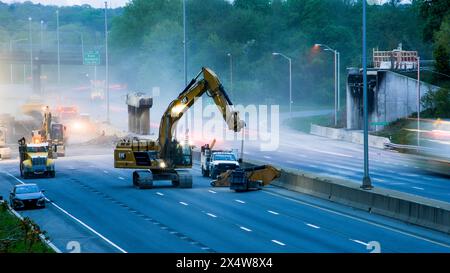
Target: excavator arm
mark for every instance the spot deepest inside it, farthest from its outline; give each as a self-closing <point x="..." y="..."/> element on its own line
<point x="209" y="84"/>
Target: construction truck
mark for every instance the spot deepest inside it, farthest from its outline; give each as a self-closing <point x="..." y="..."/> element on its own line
<point x="215" y="162"/>
<point x="36" y="159"/>
<point x="52" y="133"/>
<point x="162" y="159"/>
<point x="245" y="179"/>
<point x="5" y="151"/>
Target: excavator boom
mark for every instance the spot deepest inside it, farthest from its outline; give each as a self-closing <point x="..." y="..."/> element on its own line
<point x="196" y="88"/>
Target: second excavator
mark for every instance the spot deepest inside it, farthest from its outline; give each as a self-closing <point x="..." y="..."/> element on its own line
<point x="162" y="159"/>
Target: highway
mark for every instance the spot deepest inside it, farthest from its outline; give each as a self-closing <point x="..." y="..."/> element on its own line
<point x="95" y="205"/>
<point x="344" y="160"/>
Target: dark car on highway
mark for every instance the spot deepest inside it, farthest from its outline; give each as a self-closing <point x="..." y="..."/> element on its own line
<point x="26" y="196"/>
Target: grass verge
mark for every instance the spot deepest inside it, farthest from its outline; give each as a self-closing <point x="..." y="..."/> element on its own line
<point x="19" y="236"/>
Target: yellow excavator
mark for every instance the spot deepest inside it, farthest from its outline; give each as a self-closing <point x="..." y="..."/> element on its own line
<point x="159" y="160"/>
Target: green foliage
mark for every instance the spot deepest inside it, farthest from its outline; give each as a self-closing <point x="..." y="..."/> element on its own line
<point x="442" y="47"/>
<point x="433" y="12"/>
<point x="436" y="103"/>
<point x="19" y="236"/>
<point x="251" y="30"/>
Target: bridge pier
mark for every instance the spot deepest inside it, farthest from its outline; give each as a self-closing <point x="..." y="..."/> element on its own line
<point x="139" y="113"/>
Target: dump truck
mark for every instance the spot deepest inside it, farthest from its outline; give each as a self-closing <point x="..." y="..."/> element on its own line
<point x="36" y="159"/>
<point x="162" y="159"/>
<point x="245" y="179"/>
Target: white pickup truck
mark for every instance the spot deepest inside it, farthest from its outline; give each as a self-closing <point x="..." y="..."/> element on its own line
<point x="215" y="162"/>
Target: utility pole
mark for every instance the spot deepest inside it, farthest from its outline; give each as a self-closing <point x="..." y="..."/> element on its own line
<point x="366" y="183"/>
<point x="106" y="63"/>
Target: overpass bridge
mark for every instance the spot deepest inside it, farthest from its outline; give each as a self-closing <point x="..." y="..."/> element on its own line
<point x="38" y="57"/>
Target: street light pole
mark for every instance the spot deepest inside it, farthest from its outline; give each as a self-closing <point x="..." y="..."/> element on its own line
<point x="57" y="39"/>
<point x="366" y="183"/>
<point x="42" y="34"/>
<point x="106" y="63"/>
<point x="418" y="102"/>
<point x="31" y="48"/>
<point x="338" y="82"/>
<point x="290" y="80"/>
<point x="336" y="79"/>
<point x="231" y="72"/>
<point x="184" y="43"/>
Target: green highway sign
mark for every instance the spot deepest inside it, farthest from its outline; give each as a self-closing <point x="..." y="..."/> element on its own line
<point x="380" y="123"/>
<point x="91" y="58"/>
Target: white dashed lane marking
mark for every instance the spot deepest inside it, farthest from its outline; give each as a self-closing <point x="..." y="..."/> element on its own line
<point x="278" y="243"/>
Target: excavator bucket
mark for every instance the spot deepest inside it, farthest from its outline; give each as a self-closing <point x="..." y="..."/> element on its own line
<point x="264" y="174"/>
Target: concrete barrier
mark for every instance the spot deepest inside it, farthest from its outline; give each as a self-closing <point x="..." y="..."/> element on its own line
<point x="348" y="135"/>
<point x="405" y="207"/>
<point x="409" y="208"/>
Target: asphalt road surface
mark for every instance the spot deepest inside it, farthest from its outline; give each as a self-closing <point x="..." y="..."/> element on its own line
<point x="93" y="206"/>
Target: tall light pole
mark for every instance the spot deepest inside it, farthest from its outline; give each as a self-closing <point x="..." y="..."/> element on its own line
<point x="366" y="183"/>
<point x="82" y="46"/>
<point x="106" y="63"/>
<point x="290" y="80"/>
<point x="42" y="34"/>
<point x="418" y="102"/>
<point x="184" y="43"/>
<point x="338" y="69"/>
<point x="336" y="79"/>
<point x="57" y="40"/>
<point x="31" y="48"/>
<point x="231" y="72"/>
<point x="10" y="52"/>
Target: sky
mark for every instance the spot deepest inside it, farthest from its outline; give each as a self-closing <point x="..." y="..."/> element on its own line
<point x="94" y="3"/>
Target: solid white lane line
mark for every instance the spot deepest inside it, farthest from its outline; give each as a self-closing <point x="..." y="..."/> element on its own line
<point x="418" y="188"/>
<point x="212" y="215"/>
<point x="246" y="229"/>
<point x="359" y="242"/>
<point x="268" y="157"/>
<point x="121" y="178"/>
<point x="313" y="166"/>
<point x="160" y="194"/>
<point x="89" y="228"/>
<point x="211" y="191"/>
<point x="278" y="242"/>
<point x="360" y="220"/>
<point x="105" y="171"/>
<point x="17" y="179"/>
<point x="77" y="220"/>
<point x="290" y="162"/>
<point x="273" y="212"/>
<point x="313" y="226"/>
<point x="239" y="201"/>
<point x="183" y="203"/>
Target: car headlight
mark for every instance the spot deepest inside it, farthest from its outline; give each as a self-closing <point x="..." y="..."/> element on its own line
<point x="162" y="164"/>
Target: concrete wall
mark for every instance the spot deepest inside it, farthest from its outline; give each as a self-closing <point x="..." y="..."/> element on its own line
<point x="393" y="96"/>
<point x="348" y="135"/>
